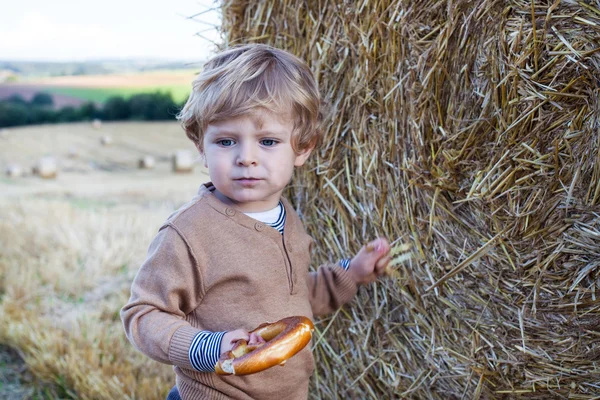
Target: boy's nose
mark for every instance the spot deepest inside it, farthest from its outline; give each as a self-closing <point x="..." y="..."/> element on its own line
<point x="246" y="156"/>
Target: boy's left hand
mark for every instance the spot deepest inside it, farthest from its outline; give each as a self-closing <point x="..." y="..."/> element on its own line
<point x="370" y="262"/>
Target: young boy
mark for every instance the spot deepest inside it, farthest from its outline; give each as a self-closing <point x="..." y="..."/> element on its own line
<point x="237" y="255"/>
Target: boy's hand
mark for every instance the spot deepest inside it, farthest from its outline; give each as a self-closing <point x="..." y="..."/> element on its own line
<point x="231" y="337"/>
<point x="370" y="262"/>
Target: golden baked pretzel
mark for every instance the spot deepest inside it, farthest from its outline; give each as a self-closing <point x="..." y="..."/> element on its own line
<point x="283" y="339"/>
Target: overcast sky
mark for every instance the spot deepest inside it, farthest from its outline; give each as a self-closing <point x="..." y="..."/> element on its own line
<point x="79" y="30"/>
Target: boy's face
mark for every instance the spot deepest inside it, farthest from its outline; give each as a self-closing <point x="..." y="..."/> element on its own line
<point x="250" y="159"/>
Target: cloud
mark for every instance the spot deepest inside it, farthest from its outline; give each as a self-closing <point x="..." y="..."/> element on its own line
<point x="38" y="37"/>
<point x="71" y="30"/>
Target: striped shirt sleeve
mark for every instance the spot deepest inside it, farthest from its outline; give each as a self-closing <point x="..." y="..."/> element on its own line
<point x="345" y="263"/>
<point x="206" y="350"/>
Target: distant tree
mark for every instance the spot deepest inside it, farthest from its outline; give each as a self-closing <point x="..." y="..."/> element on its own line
<point x="68" y="114"/>
<point x="152" y="106"/>
<point x="146" y="106"/>
<point x="16" y="99"/>
<point x="89" y="111"/>
<point x="116" y="108"/>
<point x="13" y="114"/>
<point x="42" y="99"/>
<point x="41" y="115"/>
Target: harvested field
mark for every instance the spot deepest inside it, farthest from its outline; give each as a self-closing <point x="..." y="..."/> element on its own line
<point x="85" y="166"/>
<point x="70" y="249"/>
<point x="132" y="80"/>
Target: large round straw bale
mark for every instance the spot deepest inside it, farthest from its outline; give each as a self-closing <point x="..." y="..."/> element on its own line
<point x="96" y="124"/>
<point x="46" y="167"/>
<point x="147" y="162"/>
<point x="470" y="129"/>
<point x="106" y="140"/>
<point x="14" y="171"/>
<point x="183" y="161"/>
<point x="73" y="153"/>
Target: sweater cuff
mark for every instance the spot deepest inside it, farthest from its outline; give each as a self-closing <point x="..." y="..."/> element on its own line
<point x="346" y="286"/>
<point x="179" y="347"/>
<point x="206" y="350"/>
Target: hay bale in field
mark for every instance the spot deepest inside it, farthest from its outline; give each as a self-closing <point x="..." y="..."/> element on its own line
<point x="147" y="162"/>
<point x="471" y="130"/>
<point x="96" y="124"/>
<point x="14" y="171"/>
<point x="182" y="161"/>
<point x="46" y="167"/>
<point x="73" y="153"/>
<point x="106" y="140"/>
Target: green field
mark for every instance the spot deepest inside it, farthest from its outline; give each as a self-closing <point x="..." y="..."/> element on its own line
<point x="98" y="88"/>
<point x="100" y="95"/>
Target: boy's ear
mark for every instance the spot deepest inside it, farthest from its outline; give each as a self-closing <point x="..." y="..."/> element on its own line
<point x="303" y="156"/>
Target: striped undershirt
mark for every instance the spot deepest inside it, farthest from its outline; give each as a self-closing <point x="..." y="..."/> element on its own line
<point x="206" y="345"/>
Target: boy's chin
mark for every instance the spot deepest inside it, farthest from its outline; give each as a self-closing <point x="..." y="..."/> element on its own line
<point x="255" y="203"/>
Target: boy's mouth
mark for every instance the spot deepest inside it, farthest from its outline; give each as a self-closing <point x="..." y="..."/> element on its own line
<point x="247" y="181"/>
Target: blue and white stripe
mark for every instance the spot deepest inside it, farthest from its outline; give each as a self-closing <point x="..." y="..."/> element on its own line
<point x="279" y="224"/>
<point x="345" y="263"/>
<point x="206" y="350"/>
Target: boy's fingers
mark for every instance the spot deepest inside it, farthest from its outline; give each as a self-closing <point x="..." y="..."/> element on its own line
<point x="238" y="334"/>
<point x="255" y="339"/>
<point x="381" y="264"/>
<point x="379" y="245"/>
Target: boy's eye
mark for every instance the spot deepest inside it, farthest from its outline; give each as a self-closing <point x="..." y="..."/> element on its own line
<point x="268" y="142"/>
<point x="225" y="142"/>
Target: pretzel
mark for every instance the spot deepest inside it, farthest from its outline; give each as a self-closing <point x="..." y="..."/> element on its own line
<point x="283" y="339"/>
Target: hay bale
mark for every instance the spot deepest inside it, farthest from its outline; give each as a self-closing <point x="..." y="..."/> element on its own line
<point x="147" y="162"/>
<point x="73" y="153"/>
<point x="183" y="161"/>
<point x="14" y="171"/>
<point x="471" y="130"/>
<point x="46" y="167"/>
<point x="96" y="124"/>
<point x="106" y="140"/>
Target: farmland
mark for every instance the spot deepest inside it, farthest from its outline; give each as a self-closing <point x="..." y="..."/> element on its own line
<point x="70" y="248"/>
<point x="74" y="90"/>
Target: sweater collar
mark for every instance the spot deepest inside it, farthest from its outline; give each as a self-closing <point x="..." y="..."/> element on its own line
<point x="206" y="191"/>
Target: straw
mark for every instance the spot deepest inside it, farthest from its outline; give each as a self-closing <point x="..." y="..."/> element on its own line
<point x="470" y="130"/>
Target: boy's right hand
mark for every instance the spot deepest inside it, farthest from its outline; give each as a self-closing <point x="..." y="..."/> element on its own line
<point x="231" y="337"/>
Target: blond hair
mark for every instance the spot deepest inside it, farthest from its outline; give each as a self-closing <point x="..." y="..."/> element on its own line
<point x="241" y="79"/>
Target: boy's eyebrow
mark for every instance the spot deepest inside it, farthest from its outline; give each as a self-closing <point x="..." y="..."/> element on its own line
<point x="228" y="132"/>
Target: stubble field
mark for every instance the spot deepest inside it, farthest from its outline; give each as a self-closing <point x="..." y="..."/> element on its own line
<point x="69" y="248"/>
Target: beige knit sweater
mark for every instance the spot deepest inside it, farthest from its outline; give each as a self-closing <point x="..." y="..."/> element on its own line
<point x="213" y="268"/>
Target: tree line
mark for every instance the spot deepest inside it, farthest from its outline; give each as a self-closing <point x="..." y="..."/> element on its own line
<point x="16" y="111"/>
